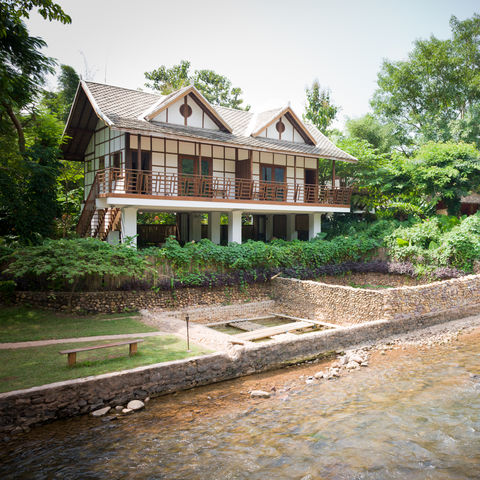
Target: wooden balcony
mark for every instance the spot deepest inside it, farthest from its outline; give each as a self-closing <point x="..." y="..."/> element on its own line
<point x="121" y="182"/>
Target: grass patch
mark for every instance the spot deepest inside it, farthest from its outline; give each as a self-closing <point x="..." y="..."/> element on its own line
<point x="20" y="324"/>
<point x="28" y="367"/>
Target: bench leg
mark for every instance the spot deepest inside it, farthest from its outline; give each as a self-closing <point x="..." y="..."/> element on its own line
<point x="72" y="359"/>
<point x="133" y="348"/>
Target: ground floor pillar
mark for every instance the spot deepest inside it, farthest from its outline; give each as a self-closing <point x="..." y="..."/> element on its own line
<point x="113" y="238"/>
<point x="214" y="227"/>
<point x="235" y="226"/>
<point x="314" y="224"/>
<point x="291" y="231"/>
<point x="195" y="227"/>
<point x="268" y="228"/>
<point x="129" y="225"/>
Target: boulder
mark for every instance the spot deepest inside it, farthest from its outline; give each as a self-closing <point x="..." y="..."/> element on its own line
<point x="100" y="412"/>
<point x="259" y="394"/>
<point x="135" y="405"/>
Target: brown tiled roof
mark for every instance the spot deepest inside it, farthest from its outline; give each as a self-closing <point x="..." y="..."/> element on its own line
<point x="123" y="108"/>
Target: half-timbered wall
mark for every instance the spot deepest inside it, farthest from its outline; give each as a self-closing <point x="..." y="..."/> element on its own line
<point x="165" y="155"/>
<point x="290" y="134"/>
<point x="198" y="118"/>
<point x="104" y="143"/>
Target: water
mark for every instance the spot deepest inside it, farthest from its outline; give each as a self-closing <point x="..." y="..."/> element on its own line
<point x="414" y="415"/>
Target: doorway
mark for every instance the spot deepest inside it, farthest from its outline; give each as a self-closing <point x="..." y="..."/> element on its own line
<point x="195" y="176"/>
<point x="139" y="179"/>
<point x="311" y="187"/>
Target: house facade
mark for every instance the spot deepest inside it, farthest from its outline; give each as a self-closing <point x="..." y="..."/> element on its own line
<point x="179" y="154"/>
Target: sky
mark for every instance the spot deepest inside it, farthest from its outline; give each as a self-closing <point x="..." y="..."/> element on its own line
<point x="271" y="49"/>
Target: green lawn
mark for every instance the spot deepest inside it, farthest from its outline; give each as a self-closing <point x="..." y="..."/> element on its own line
<point x="19" y="324"/>
<point x="28" y="367"/>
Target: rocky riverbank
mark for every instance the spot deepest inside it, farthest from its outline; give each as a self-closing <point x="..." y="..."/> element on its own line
<point x="281" y="384"/>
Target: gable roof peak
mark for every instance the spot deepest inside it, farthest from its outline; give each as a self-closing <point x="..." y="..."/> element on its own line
<point x="167" y="100"/>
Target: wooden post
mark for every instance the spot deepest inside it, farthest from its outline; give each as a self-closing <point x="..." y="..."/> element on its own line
<point x="133" y="348"/>
<point x="72" y="359"/>
<point x="333" y="173"/>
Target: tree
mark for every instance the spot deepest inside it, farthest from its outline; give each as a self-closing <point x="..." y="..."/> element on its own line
<point x="369" y="128"/>
<point x="437" y="87"/>
<point x="319" y="110"/>
<point x="28" y="203"/>
<point x="217" y="89"/>
<point x="15" y="10"/>
<point x="59" y="102"/>
<point x="22" y="71"/>
<point x="444" y="172"/>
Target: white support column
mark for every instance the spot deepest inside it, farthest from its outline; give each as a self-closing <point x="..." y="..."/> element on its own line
<point x="113" y="238"/>
<point x="235" y="226"/>
<point x="314" y="224"/>
<point x="291" y="232"/>
<point x="268" y="227"/>
<point x="129" y="224"/>
<point x="195" y="227"/>
<point x="214" y="227"/>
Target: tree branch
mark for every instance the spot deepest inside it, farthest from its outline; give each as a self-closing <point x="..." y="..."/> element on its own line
<point x="17" y="125"/>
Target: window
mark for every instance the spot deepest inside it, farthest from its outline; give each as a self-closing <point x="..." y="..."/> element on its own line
<point x="101" y="163"/>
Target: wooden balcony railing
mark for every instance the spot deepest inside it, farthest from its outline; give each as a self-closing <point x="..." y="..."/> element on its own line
<point x="113" y="181"/>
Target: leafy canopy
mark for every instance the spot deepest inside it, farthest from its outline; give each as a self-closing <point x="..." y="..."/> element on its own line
<point x="434" y="95"/>
<point x="216" y="88"/>
<point x="444" y="172"/>
<point x="319" y="110"/>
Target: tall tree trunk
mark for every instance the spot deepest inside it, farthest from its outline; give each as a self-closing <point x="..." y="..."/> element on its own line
<point x="17" y="125"/>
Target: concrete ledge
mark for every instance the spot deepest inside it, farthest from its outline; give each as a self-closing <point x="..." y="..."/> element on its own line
<point x="22" y="409"/>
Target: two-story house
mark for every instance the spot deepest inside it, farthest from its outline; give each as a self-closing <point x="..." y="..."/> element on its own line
<point x="177" y="153"/>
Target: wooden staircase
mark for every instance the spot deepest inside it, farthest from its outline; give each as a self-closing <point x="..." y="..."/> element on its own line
<point x="97" y="223"/>
<point x="84" y="225"/>
<point x="111" y="221"/>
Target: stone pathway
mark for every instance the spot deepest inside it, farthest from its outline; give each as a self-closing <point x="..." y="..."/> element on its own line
<point x="199" y="334"/>
<point x="44" y="343"/>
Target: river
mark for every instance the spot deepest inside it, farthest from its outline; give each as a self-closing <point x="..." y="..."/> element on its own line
<point x="412" y="414"/>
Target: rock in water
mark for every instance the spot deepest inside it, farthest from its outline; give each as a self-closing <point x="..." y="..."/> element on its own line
<point x="135" y="405"/>
<point x="100" y="412"/>
<point x="259" y="394"/>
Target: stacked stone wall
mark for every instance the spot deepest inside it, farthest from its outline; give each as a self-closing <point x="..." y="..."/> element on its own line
<point x="121" y="301"/>
<point x="344" y="305"/>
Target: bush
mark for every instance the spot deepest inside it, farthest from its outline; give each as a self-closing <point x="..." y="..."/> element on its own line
<point x="438" y="241"/>
<point x="7" y="291"/>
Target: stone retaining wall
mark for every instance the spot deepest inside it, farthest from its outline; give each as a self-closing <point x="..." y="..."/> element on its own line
<point x="22" y="409"/>
<point x="119" y="301"/>
<point x="218" y="313"/>
<point x="349" y="306"/>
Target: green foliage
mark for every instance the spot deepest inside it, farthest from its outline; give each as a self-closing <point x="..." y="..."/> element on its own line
<point x="59" y="102"/>
<point x="379" y="135"/>
<point x="200" y="256"/>
<point x="438" y="241"/>
<point x="7" y="291"/>
<point x="429" y="95"/>
<point x="320" y="110"/>
<point x="217" y="89"/>
<point x="15" y="10"/>
<point x="72" y="260"/>
<point x="444" y="172"/>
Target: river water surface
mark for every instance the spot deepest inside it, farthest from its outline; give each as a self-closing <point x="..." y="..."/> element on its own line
<point x="410" y="415"/>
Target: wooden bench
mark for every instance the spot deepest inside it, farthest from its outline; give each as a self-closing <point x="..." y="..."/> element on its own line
<point x="72" y="354"/>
